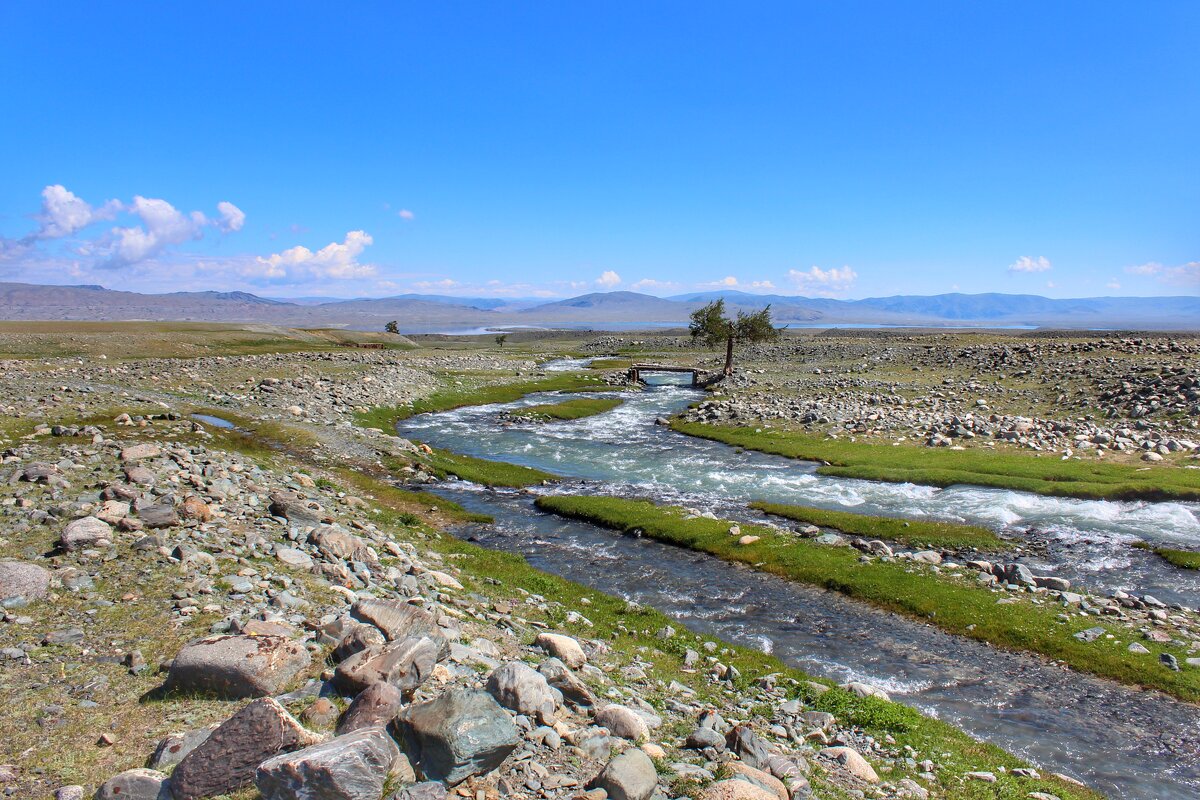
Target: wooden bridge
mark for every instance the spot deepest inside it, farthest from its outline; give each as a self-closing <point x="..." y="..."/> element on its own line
<point x="635" y="371"/>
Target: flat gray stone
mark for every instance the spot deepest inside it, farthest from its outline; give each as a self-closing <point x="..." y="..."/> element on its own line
<point x="237" y="666"/>
<point x="135" y="784"/>
<point x="406" y="664"/>
<point x="174" y="748"/>
<point x="629" y="776"/>
<point x="520" y="688"/>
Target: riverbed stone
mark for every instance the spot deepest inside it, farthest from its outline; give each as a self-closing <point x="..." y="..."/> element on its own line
<point x="565" y="648"/>
<point x="623" y="722"/>
<point x="350" y="767"/>
<point x="520" y="688"/>
<point x="735" y="789"/>
<point x="851" y="761"/>
<point x="572" y="688"/>
<point x="237" y="666"/>
<point x="135" y="784"/>
<point x="463" y="733"/>
<point x="407" y="664"/>
<point x="226" y="761"/>
<point x="86" y="532"/>
<point x="174" y="748"/>
<point x="22" y="582"/>
<point x="376" y="705"/>
<point x="399" y="620"/>
<point x="629" y="776"/>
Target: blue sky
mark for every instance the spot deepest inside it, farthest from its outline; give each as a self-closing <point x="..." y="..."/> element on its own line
<point x="843" y="149"/>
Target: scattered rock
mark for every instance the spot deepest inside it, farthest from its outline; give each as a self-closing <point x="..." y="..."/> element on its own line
<point x="350" y="767"/>
<point x="463" y="733"/>
<point x="237" y="666"/>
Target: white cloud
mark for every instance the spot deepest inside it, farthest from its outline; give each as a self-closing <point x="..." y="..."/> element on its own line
<point x="608" y="279"/>
<point x="762" y="285"/>
<point x="1113" y="284"/>
<point x="164" y="225"/>
<point x="1051" y="285"/>
<point x="1149" y="268"/>
<point x="232" y="217"/>
<point x="1187" y="274"/>
<point x="405" y="214"/>
<point x="64" y="213"/>
<point x="823" y="282"/>
<point x="1027" y="264"/>
<point x="445" y="283"/>
<point x="651" y="283"/>
<point x="728" y="281"/>
<point x="338" y="261"/>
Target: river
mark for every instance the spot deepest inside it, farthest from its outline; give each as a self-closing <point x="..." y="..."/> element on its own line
<point x="1121" y="741"/>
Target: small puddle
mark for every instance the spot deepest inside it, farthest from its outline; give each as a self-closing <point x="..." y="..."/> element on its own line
<point x="216" y="422"/>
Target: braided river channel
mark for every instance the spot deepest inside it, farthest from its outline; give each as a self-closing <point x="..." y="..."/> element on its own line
<point x="1120" y="740"/>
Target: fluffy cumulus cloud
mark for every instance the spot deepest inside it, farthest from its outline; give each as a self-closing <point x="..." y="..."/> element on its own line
<point x="608" y="279"/>
<point x="405" y="214"/>
<point x="336" y="261"/>
<point x="823" y="282"/>
<point x="154" y="226"/>
<point x="63" y="213"/>
<point x="444" y="284"/>
<point x="232" y="218"/>
<point x="162" y="226"/>
<point x="1028" y="264"/>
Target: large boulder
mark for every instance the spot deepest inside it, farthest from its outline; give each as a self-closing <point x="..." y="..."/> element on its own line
<point x="376" y="705"/>
<point x="463" y="733"/>
<point x="135" y="784"/>
<point x="629" y="776"/>
<point x="21" y="583"/>
<point x="564" y="648"/>
<point x="237" y="666"/>
<point x="226" y="761"/>
<point x="86" y="532"/>
<point x="407" y="664"/>
<point x="399" y="620"/>
<point x="522" y="689"/>
<point x="137" y="452"/>
<point x="350" y="767"/>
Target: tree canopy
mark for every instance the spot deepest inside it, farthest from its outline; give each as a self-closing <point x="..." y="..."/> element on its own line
<point x="712" y="326"/>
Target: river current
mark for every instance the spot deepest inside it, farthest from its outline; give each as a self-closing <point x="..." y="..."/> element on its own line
<point x="1121" y="741"/>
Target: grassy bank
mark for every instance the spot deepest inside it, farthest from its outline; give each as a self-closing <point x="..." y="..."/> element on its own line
<point x="482" y="471"/>
<point x="940" y="467"/>
<point x="915" y="533"/>
<point x="955" y="607"/>
<point x="577" y="408"/>
<point x="386" y="417"/>
<point x="1184" y="559"/>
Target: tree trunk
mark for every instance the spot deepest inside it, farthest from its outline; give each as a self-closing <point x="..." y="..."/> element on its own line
<point x="729" y="356"/>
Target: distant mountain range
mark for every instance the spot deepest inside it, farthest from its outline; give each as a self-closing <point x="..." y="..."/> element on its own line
<point x="417" y="312"/>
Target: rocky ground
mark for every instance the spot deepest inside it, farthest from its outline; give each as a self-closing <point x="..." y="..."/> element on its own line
<point x="1094" y="396"/>
<point x="194" y="612"/>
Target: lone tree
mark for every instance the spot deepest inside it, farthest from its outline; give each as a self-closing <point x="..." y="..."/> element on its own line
<point x="392" y="327"/>
<point x="710" y="325"/>
<point x="501" y="339"/>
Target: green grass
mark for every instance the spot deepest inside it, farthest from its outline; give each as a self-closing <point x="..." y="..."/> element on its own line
<point x="949" y="604"/>
<point x="577" y="408"/>
<point x="911" y="532"/>
<point x="386" y="417"/>
<point x="939" y="467"/>
<point x="482" y="471"/>
<point x="1184" y="559"/>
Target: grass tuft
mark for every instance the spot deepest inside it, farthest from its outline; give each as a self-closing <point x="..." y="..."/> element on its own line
<point x="1184" y="559"/>
<point x="577" y="408"/>
<point x="950" y="535"/>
